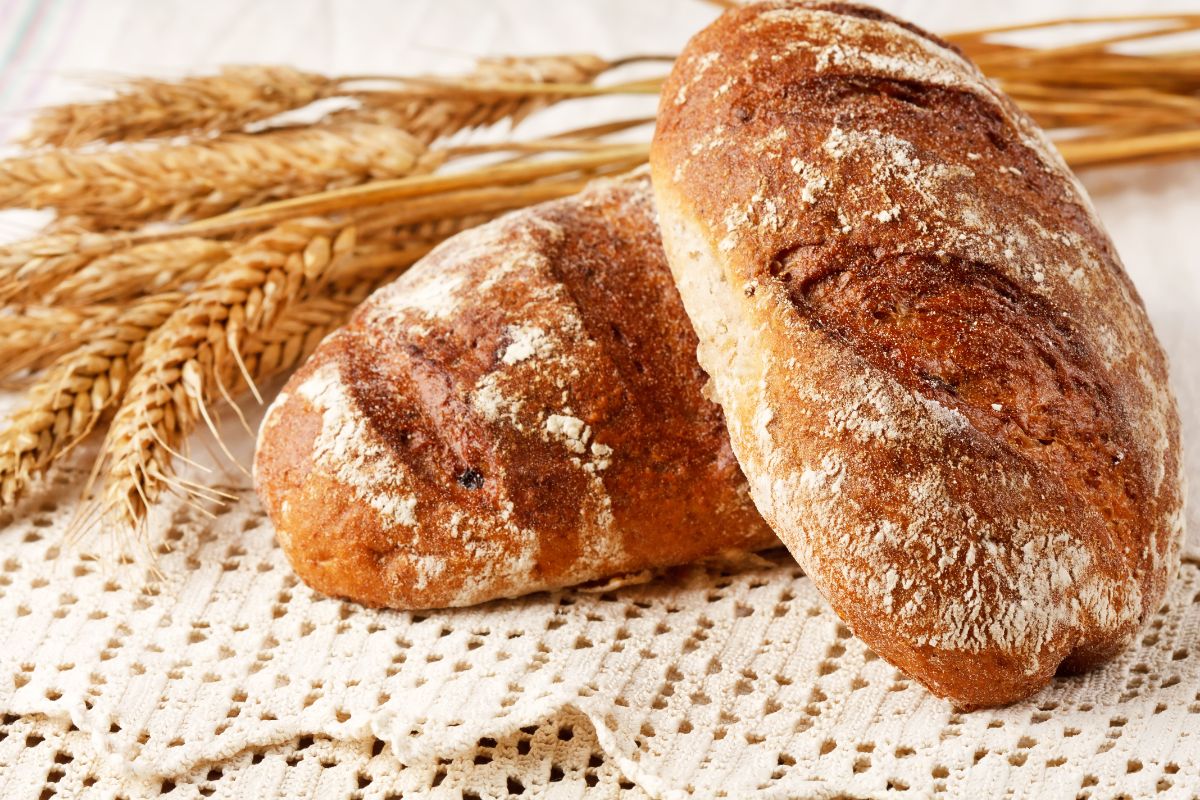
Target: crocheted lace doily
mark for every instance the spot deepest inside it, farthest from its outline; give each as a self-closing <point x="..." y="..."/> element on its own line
<point x="219" y="674"/>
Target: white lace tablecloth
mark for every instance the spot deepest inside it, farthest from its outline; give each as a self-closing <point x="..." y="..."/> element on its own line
<point x="222" y="676"/>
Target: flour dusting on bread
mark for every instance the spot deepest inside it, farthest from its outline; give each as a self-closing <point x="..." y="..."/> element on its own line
<point x="346" y="443"/>
<point x="943" y="389"/>
<point x="521" y="411"/>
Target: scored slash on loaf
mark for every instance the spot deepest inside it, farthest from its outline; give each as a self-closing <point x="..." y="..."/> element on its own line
<point x="942" y="387"/>
<point x="520" y="411"/>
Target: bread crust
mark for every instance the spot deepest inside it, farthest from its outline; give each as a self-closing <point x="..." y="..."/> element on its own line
<point x="520" y="411"/>
<point x="937" y="377"/>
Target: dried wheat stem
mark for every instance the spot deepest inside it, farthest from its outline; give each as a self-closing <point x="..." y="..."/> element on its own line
<point x="967" y="36"/>
<point x="144" y="108"/>
<point x="562" y="144"/>
<point x="1157" y="145"/>
<point x="1082" y="114"/>
<point x="89" y="268"/>
<point x="386" y="248"/>
<point x="289" y="339"/>
<point x="516" y="175"/>
<point x="205" y="178"/>
<point x="459" y="88"/>
<point x="989" y="61"/>
<point x="604" y="128"/>
<point x="475" y="201"/>
<point x="68" y="400"/>
<point x="1130" y="97"/>
<point x="241" y="95"/>
<point x="555" y="67"/>
<point x="67" y="268"/>
<point x="197" y="352"/>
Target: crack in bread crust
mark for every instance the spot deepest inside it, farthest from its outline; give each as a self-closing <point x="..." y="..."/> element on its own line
<point x="962" y="334"/>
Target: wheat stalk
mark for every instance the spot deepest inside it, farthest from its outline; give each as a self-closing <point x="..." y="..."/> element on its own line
<point x="486" y="189"/>
<point x="80" y="387"/>
<point x="196" y="351"/>
<point x="32" y="337"/>
<point x="204" y="178"/>
<point x="66" y="403"/>
<point x="228" y="101"/>
<point x="242" y="95"/>
<point x="30" y="269"/>
<point x="386" y="249"/>
<point x="82" y="269"/>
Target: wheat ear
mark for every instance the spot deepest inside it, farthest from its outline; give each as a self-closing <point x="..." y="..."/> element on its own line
<point x="430" y="112"/>
<point x="386" y="249"/>
<point x="32" y="337"/>
<point x="29" y="267"/>
<point x="207" y="177"/>
<point x="141" y="269"/>
<point x="298" y="331"/>
<point x="66" y="402"/>
<point x="197" y="352"/>
<point x="228" y="101"/>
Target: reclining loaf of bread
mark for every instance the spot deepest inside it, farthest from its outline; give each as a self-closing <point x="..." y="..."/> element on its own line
<point x="939" y="381"/>
<point x="520" y="411"/>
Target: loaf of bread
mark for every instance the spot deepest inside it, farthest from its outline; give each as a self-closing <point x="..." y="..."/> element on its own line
<point x="941" y="385"/>
<point x="520" y="411"/>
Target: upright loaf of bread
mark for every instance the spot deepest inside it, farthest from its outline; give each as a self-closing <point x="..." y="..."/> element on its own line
<point x="940" y="383"/>
<point x="520" y="411"/>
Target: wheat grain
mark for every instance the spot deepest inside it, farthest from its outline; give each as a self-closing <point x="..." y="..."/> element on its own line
<point x="386" y="249"/>
<point x="159" y="266"/>
<point x="143" y="108"/>
<point x="31" y="337"/>
<point x="193" y="354"/>
<point x="66" y="403"/>
<point x="298" y="331"/>
<point x="88" y="268"/>
<point x="29" y="267"/>
<point x="241" y="95"/>
<point x="431" y="111"/>
<point x="208" y="177"/>
<point x="351" y="199"/>
<point x="141" y="269"/>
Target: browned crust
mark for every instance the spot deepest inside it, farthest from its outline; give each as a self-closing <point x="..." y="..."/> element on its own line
<point x="941" y="384"/>
<point x="465" y="404"/>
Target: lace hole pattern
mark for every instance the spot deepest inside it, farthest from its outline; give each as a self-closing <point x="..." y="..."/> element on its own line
<point x="219" y="673"/>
